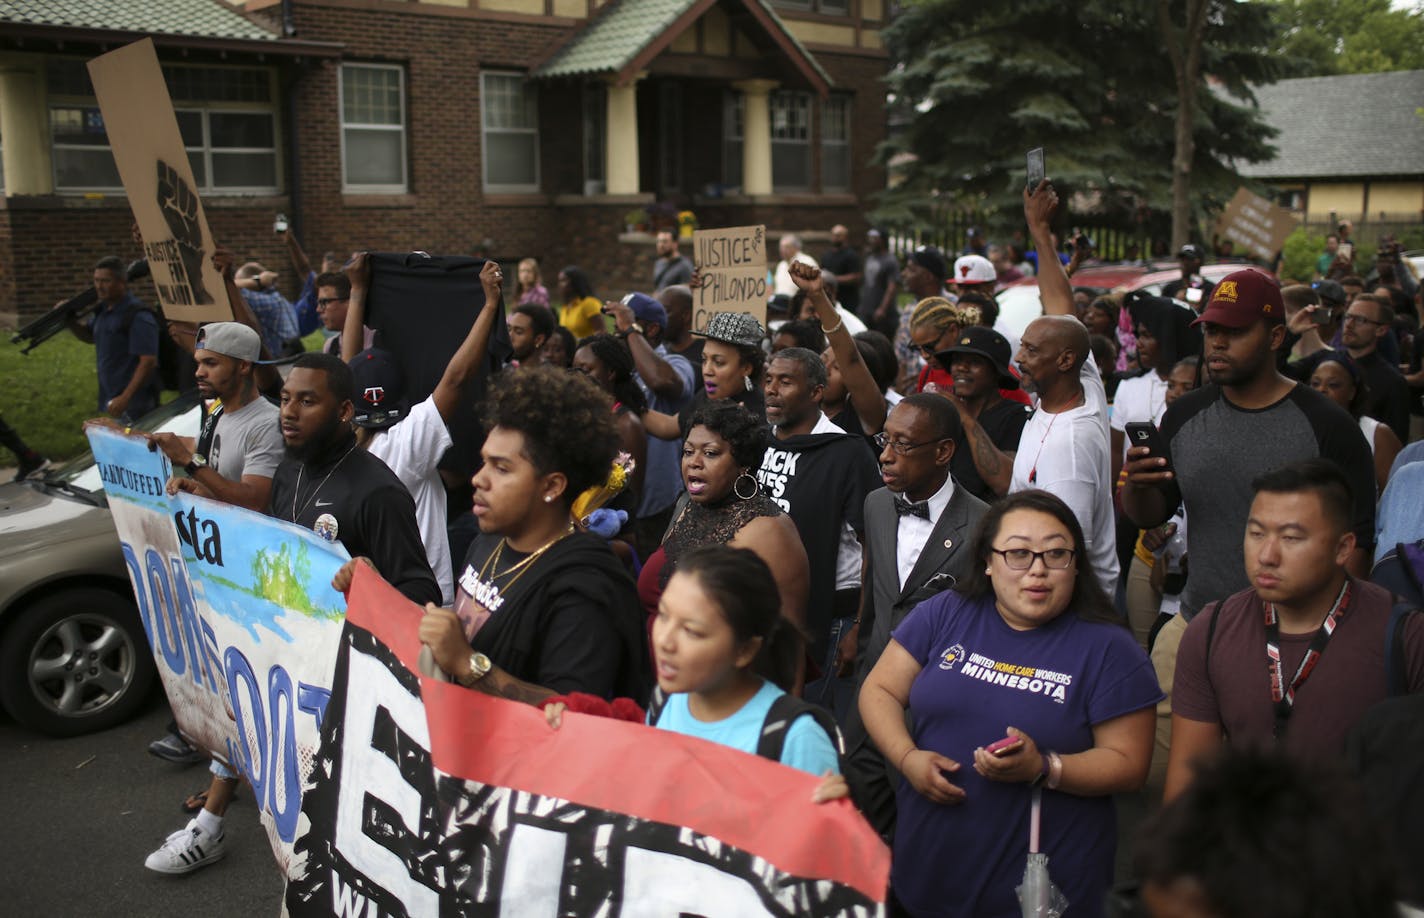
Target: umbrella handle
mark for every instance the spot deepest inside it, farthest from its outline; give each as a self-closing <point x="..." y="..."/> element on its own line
<point x="1034" y="819"/>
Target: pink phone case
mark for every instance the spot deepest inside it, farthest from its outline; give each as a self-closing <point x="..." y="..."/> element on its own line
<point x="1001" y="746"/>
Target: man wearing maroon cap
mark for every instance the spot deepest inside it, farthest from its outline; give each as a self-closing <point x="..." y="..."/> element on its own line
<point x="1247" y="421"/>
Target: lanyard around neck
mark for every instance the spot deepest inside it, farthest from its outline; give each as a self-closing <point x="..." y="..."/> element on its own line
<point x="1283" y="695"/>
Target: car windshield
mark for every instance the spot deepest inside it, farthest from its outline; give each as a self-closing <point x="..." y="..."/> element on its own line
<point x="181" y="416"/>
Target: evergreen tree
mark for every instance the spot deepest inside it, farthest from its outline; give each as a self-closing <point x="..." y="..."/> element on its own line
<point x="1091" y="83"/>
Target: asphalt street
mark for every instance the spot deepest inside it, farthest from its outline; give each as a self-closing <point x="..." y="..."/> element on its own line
<point x="80" y="815"/>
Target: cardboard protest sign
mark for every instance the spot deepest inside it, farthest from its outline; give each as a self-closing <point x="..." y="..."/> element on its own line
<point x="148" y="150"/>
<point x="1257" y="227"/>
<point x="243" y="623"/>
<point x="731" y="263"/>
<point x="430" y="798"/>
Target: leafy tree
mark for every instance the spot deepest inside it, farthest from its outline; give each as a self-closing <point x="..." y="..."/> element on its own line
<point x="977" y="85"/>
<point x="1351" y="36"/>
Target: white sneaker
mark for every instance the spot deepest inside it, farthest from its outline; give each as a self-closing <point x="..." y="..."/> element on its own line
<point x="186" y="850"/>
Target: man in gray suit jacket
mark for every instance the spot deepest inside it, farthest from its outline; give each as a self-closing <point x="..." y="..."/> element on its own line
<point x="918" y="532"/>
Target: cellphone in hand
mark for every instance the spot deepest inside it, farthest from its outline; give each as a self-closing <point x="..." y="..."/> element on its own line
<point x="1003" y="746"/>
<point x="1140" y="433"/>
<point x="280" y="224"/>
<point x="1034" y="160"/>
<point x="1321" y="315"/>
<point x="1345" y="251"/>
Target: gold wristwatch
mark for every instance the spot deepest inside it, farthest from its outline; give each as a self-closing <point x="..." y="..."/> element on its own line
<point x="480" y="666"/>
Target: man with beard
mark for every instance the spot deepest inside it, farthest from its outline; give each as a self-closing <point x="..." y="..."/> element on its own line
<point x="1064" y="446"/>
<point x="239" y="445"/>
<point x="819" y="475"/>
<point x="530" y="327"/>
<point x="1219" y="438"/>
<point x="342" y="493"/>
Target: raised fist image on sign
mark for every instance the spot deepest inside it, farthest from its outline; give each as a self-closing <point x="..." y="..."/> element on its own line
<point x="179" y="204"/>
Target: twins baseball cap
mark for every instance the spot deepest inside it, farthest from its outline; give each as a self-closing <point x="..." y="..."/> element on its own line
<point x="1243" y="297"/>
<point x="231" y="339"/>
<point x="380" y="390"/>
<point x="974" y="269"/>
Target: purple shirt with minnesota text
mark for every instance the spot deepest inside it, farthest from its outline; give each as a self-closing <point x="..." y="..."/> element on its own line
<point x="979" y="677"/>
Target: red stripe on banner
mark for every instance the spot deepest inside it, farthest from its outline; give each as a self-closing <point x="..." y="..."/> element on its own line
<point x="759" y="806"/>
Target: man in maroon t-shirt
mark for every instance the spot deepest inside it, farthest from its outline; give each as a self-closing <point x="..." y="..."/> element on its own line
<point x="1295" y="660"/>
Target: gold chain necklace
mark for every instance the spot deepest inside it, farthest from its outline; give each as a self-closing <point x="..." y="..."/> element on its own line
<point x="491" y="565"/>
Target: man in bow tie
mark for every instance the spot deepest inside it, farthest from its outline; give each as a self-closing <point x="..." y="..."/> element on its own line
<point x="917" y="534"/>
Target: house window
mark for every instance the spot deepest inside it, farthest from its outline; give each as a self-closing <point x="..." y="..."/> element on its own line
<point x="225" y="116"/>
<point x="790" y="141"/>
<point x="733" y="110"/>
<point x="825" y="7"/>
<point x="595" y="137"/>
<point x="509" y="115"/>
<point x="670" y="137"/>
<point x="835" y="144"/>
<point x="373" y="147"/>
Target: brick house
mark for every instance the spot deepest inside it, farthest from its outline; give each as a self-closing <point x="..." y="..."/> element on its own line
<point x="537" y="127"/>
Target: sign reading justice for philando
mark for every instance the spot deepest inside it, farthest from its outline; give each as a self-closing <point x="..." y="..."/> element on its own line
<point x="732" y="265"/>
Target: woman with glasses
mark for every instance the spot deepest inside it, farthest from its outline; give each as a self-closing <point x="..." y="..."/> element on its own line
<point x="934" y="327"/>
<point x="1018" y="682"/>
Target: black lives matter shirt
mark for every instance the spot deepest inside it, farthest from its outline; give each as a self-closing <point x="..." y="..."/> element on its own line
<point x="820" y="479"/>
<point x="1217" y="449"/>
<point x="349" y="496"/>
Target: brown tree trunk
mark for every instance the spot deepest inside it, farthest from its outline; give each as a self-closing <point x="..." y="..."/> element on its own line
<point x="1184" y="47"/>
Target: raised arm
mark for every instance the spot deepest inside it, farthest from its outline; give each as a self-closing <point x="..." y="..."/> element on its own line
<point x="1054" y="288"/>
<point x="266" y="377"/>
<point x="461" y="368"/>
<point x="353" y="333"/>
<point x="300" y="263"/>
<point x="865" y="395"/>
<point x="660" y="425"/>
<point x="655" y="371"/>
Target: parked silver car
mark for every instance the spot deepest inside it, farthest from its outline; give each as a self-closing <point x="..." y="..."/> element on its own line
<point x="73" y="655"/>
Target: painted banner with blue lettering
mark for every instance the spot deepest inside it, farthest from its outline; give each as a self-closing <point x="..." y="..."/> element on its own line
<point x="243" y="622"/>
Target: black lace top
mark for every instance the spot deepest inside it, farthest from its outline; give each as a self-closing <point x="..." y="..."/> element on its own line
<point x="717" y="524"/>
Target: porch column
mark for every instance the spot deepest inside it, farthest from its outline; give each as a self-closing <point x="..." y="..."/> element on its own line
<point x="24" y="126"/>
<point x="756" y="135"/>
<point x="621" y="138"/>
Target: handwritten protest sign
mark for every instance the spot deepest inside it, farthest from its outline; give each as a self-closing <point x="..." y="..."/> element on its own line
<point x="148" y="150"/>
<point x="1257" y="227"/>
<point x="732" y="265"/>
<point x="430" y="798"/>
<point x="243" y="623"/>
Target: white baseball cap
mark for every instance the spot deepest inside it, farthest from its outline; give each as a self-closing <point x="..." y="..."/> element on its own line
<point x="973" y="269"/>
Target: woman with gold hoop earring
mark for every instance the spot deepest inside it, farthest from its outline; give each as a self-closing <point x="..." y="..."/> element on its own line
<point x="725" y="505"/>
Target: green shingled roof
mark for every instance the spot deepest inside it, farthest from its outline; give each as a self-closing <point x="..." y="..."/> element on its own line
<point x="623" y="28"/>
<point x="203" y="18"/>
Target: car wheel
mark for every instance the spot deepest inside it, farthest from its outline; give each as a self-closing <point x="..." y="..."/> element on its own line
<point x="75" y="661"/>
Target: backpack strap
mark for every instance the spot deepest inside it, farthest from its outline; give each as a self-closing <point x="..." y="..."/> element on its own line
<point x="656" y="705"/>
<point x="1396" y="667"/>
<point x="783" y="713"/>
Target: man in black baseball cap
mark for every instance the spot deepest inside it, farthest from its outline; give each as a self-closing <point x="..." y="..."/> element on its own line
<point x="979" y="363"/>
<point x="925" y="272"/>
<point x="1192" y="289"/>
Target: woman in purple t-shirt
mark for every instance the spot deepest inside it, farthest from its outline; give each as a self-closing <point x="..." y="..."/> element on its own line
<point x="1027" y="657"/>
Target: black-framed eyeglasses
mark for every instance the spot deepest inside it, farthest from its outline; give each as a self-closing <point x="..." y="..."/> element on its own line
<point x="883" y="440"/>
<point x="326" y="301"/>
<point x="1021" y="559"/>
<point x="1356" y="317"/>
